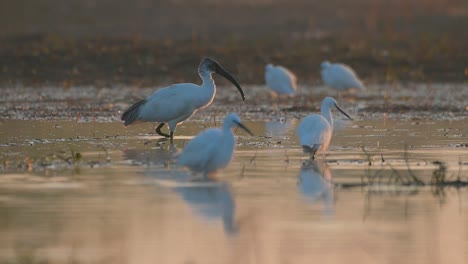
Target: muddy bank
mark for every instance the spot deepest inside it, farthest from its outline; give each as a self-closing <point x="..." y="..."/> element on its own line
<point x="89" y="103"/>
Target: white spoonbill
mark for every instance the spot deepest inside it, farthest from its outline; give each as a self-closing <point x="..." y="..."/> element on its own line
<point x="340" y="77"/>
<point x="212" y="149"/>
<point x="280" y="80"/>
<point x="315" y="131"/>
<point x="175" y="103"/>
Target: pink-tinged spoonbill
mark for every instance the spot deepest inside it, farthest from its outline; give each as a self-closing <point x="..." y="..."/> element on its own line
<point x="280" y="80"/>
<point x="340" y="77"/>
<point x="315" y="131"/>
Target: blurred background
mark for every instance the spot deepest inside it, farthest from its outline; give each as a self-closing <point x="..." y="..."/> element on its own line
<point x="143" y="42"/>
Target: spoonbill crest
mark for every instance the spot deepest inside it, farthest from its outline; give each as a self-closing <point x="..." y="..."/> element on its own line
<point x="212" y="149"/>
<point x="280" y="80"/>
<point x="315" y="131"/>
<point x="176" y="103"/>
<point x="340" y="77"/>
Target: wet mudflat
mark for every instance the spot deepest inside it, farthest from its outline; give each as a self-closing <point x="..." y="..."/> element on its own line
<point x="83" y="189"/>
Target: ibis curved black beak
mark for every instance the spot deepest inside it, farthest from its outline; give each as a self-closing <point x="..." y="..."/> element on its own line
<point x="244" y="128"/>
<point x="343" y="112"/>
<point x="219" y="70"/>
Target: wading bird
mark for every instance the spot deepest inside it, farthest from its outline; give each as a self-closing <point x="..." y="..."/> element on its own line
<point x="212" y="149"/>
<point x="315" y="131"/>
<point x="280" y="80"/>
<point x="176" y="103"/>
<point x="340" y="77"/>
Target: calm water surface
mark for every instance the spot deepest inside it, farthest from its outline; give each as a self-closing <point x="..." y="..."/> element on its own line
<point x="121" y="200"/>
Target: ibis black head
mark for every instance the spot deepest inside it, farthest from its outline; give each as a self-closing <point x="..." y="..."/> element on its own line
<point x="214" y="67"/>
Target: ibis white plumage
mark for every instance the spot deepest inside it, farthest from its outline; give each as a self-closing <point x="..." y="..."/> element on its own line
<point x="212" y="149"/>
<point x="340" y="77"/>
<point x="315" y="131"/>
<point x="280" y="80"/>
<point x="176" y="103"/>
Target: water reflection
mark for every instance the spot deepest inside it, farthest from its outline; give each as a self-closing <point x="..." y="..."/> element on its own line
<point x="156" y="156"/>
<point x="209" y="199"/>
<point x="279" y="126"/>
<point x="315" y="183"/>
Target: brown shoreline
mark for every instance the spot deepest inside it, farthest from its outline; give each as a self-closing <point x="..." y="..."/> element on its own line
<point x="69" y="61"/>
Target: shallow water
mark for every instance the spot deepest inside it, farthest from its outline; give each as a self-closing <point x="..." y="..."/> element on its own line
<point x="89" y="192"/>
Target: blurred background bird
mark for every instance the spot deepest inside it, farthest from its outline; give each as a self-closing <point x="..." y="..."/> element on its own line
<point x="280" y="80"/>
<point x="340" y="77"/>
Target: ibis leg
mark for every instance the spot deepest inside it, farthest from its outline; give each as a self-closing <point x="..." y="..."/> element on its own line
<point x="159" y="132"/>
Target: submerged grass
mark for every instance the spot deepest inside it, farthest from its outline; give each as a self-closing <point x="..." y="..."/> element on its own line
<point x="394" y="177"/>
<point x="58" y="161"/>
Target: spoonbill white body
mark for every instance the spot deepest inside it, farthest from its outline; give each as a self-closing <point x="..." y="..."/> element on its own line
<point x="340" y="77"/>
<point x="212" y="149"/>
<point x="315" y="131"/>
<point x="280" y="80"/>
<point x="176" y="103"/>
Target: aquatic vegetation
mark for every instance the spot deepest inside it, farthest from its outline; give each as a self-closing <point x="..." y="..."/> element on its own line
<point x="407" y="177"/>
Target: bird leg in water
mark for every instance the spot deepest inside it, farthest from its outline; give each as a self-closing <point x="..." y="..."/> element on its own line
<point x="159" y="132"/>
<point x="310" y="150"/>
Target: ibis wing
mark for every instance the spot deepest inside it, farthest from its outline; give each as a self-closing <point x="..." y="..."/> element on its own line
<point x="170" y="103"/>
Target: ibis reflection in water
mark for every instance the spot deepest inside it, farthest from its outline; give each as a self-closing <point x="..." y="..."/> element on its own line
<point x="280" y="80"/>
<point x="340" y="77"/>
<point x="212" y="149"/>
<point x="176" y="103"/>
<point x="315" y="131"/>
<point x="315" y="183"/>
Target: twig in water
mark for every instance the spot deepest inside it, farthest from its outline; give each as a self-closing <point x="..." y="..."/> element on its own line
<point x="413" y="176"/>
<point x="252" y="160"/>
<point x="241" y="176"/>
